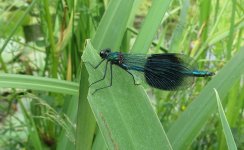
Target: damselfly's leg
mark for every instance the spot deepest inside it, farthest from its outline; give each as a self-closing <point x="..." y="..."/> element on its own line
<point x="105" y="72"/>
<point x="111" y="81"/>
<point x="95" y="67"/>
<point x="132" y="77"/>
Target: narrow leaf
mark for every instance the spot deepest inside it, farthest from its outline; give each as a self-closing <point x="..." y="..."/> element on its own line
<point x="38" y="83"/>
<point x="151" y="23"/>
<point x="190" y="123"/>
<point x="227" y="131"/>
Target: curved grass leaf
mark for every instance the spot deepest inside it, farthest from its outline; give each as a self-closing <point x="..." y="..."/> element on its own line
<point x="150" y="25"/>
<point x="180" y="28"/>
<point x="86" y="123"/>
<point x="227" y="131"/>
<point x="33" y="132"/>
<point x="190" y="123"/>
<point x="113" y="25"/>
<point x="38" y="83"/>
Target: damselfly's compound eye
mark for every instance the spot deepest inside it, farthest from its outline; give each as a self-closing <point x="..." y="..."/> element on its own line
<point x="105" y="52"/>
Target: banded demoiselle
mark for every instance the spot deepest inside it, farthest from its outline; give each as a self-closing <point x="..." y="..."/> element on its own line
<point x="168" y="71"/>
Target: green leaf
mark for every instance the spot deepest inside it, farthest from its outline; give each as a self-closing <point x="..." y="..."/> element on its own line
<point x="150" y="25"/>
<point x="228" y="135"/>
<point x="38" y="83"/>
<point x="32" y="129"/>
<point x="86" y="123"/>
<point x="109" y="34"/>
<point x="63" y="142"/>
<point x="123" y="112"/>
<point x="190" y="123"/>
<point x="205" y="11"/>
<point x="99" y="143"/>
<point x="113" y="25"/>
<point x="180" y="28"/>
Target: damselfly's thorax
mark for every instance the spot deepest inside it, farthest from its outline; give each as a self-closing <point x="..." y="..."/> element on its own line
<point x="113" y="57"/>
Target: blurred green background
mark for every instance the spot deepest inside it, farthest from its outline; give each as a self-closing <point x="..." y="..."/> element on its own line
<point x="45" y="99"/>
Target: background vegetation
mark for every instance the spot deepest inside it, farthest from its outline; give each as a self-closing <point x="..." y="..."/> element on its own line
<point x="45" y="99"/>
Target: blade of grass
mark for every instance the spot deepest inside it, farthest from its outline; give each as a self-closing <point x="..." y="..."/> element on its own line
<point x="220" y="36"/>
<point x="32" y="130"/>
<point x="86" y="123"/>
<point x="125" y="45"/>
<point x="232" y="28"/>
<point x="233" y="107"/>
<point x="220" y="14"/>
<point x="205" y="11"/>
<point x="227" y="131"/>
<point x="209" y="41"/>
<point x="50" y="32"/>
<point x="190" y="123"/>
<point x="38" y="83"/>
<point x="150" y="25"/>
<point x="178" y="33"/>
<point x="71" y="111"/>
<point x="113" y="25"/>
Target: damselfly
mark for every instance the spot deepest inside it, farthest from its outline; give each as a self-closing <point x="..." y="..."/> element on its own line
<point x="169" y="71"/>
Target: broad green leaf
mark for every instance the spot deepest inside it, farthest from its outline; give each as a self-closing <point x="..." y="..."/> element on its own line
<point x="109" y="34"/>
<point x="123" y="112"/>
<point x="190" y="123"/>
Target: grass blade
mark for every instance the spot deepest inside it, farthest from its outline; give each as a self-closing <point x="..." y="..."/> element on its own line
<point x="228" y="135"/>
<point x="201" y="108"/>
<point x="151" y="23"/>
<point x="113" y="25"/>
<point x="180" y="29"/>
<point x="38" y="83"/>
<point x="33" y="132"/>
<point x="86" y="123"/>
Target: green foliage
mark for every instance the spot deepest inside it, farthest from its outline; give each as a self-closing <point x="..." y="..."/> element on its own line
<point x="227" y="131"/>
<point x="61" y="112"/>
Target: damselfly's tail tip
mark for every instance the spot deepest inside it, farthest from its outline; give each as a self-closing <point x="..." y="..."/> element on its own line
<point x="211" y="74"/>
<point x="203" y="73"/>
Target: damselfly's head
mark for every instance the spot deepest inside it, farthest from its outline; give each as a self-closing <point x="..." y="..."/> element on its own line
<point x="105" y="52"/>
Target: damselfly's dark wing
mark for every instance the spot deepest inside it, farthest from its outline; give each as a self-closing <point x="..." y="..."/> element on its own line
<point x="168" y="71"/>
<point x="162" y="71"/>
